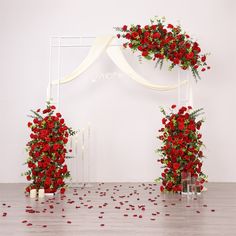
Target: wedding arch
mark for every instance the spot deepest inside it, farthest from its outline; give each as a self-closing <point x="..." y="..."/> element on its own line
<point x="105" y="44"/>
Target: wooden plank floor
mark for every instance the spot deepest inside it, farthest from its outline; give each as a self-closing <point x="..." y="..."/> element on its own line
<point x="119" y="209"/>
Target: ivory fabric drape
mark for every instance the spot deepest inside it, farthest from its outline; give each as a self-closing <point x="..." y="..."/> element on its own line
<point x="101" y="45"/>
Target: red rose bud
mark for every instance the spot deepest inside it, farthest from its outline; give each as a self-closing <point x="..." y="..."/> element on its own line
<point x="173" y="106"/>
<point x="58" y="115"/>
<point x="203" y="58"/>
<point x="118" y="36"/>
<point x="124" y="28"/>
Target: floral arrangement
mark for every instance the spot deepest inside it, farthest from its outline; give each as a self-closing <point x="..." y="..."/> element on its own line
<point x="46" y="151"/>
<point x="181" y="147"/>
<point x="159" y="41"/>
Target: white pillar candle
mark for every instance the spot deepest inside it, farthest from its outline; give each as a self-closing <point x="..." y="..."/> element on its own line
<point x="41" y="193"/>
<point x="33" y="193"/>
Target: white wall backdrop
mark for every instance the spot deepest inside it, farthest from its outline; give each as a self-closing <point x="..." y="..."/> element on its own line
<point x="124" y="116"/>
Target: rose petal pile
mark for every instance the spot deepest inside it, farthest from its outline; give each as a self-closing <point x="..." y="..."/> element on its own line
<point x="159" y="41"/>
<point x="47" y="151"/>
<point x="181" y="147"/>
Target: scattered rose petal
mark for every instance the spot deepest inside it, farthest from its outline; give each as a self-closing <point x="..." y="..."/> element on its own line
<point x="68" y="222"/>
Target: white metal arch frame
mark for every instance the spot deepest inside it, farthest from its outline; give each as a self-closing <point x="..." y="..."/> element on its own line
<point x="98" y="47"/>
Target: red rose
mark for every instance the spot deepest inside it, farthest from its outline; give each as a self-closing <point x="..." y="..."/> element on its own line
<point x="173" y="106"/>
<point x="59" y="181"/>
<point x="53" y="107"/>
<point x="189" y="55"/>
<point x="181" y="126"/>
<point x="124" y="28"/>
<point x="58" y="115"/>
<point x="154" y="27"/>
<point x="176" y="61"/>
<point x="47" y="181"/>
<point x="170" y="26"/>
<point x="35" y="120"/>
<point x="27" y="189"/>
<point x="118" y="36"/>
<point x="144" y="53"/>
<point x="161" y="188"/>
<point x="62" y="191"/>
<point x="164" y="121"/>
<point x="28" y="177"/>
<point x="156" y="35"/>
<point x="176" y="166"/>
<point x="29" y="124"/>
<point x="134" y="34"/>
<point x="203" y="58"/>
<point x="127" y="36"/>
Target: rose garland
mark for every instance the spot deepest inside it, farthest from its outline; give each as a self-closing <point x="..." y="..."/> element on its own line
<point x="159" y="42"/>
<point x="181" y="147"/>
<point x="46" y="151"/>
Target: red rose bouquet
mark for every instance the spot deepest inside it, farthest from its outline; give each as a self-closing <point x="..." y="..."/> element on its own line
<point x="47" y="151"/>
<point x="181" y="147"/>
<point x="159" y="42"/>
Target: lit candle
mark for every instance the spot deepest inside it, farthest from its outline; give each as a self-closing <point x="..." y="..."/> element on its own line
<point x="41" y="193"/>
<point x="33" y="193"/>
